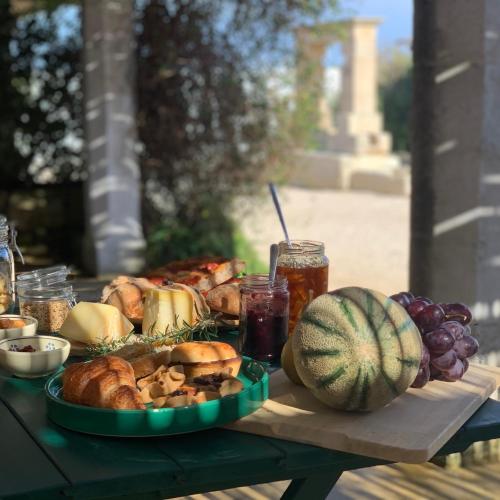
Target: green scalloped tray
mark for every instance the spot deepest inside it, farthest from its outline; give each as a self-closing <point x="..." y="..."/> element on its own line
<point x="160" y="421"/>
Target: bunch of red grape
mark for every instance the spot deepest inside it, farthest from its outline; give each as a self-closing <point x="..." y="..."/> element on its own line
<point x="446" y="335"/>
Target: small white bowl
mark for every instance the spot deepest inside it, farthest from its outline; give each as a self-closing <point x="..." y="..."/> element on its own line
<point x="28" y="329"/>
<point x="50" y="354"/>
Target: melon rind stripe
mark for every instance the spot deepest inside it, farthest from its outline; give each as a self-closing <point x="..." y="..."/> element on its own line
<point x="369" y="304"/>
<point x="363" y="400"/>
<point x="328" y="329"/>
<point x="388" y="303"/>
<point x="354" y="389"/>
<point x="347" y="312"/>
<point x="320" y="352"/>
<point x="387" y="380"/>
<point x="331" y="378"/>
<point x="410" y="362"/>
<point x="406" y="326"/>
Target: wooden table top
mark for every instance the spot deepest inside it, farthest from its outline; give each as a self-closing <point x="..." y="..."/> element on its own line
<point x="41" y="460"/>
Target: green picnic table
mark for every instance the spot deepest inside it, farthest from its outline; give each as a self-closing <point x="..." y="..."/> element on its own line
<point x="40" y="460"/>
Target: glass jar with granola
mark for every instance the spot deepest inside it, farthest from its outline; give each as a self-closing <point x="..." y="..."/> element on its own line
<point x="49" y="305"/>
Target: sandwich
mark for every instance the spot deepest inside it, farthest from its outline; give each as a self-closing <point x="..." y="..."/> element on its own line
<point x="205" y="358"/>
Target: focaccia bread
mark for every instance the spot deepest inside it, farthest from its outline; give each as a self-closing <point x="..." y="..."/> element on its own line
<point x="202" y="273"/>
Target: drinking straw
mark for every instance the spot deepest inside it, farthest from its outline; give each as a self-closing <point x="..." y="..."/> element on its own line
<point x="274" y="195"/>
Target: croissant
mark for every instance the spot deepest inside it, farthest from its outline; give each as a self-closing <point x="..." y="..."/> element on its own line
<point x="105" y="382"/>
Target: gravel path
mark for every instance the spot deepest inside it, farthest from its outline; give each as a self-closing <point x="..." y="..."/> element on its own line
<point x="366" y="234"/>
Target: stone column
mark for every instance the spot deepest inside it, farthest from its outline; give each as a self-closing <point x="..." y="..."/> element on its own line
<point x="455" y="237"/>
<point x="114" y="231"/>
<point x="360" y="127"/>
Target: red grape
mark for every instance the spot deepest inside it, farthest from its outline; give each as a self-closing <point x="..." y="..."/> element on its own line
<point x="435" y="373"/>
<point x="454" y="373"/>
<point x="439" y="341"/>
<point x="429" y="318"/>
<point x="458" y="312"/>
<point x="422" y="377"/>
<point x="445" y="361"/>
<point x="403" y="298"/>
<point x="465" y="362"/>
<point x="415" y="307"/>
<point x="424" y="299"/>
<point x="447" y="340"/>
<point x="456" y="329"/>
<point x="426" y="357"/>
<point x="466" y="347"/>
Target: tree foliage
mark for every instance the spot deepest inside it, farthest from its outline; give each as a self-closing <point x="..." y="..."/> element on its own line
<point x="40" y="99"/>
<point x="395" y="89"/>
<point x="208" y="129"/>
<point x="205" y="119"/>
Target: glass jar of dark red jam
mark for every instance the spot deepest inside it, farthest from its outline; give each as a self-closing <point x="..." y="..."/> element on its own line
<point x="263" y="317"/>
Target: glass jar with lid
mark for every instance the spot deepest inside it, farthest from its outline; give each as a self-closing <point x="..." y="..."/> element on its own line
<point x="6" y="269"/>
<point x="49" y="305"/>
<point x="305" y="266"/>
<point x="47" y="276"/>
<point x="46" y="295"/>
<point x="263" y="316"/>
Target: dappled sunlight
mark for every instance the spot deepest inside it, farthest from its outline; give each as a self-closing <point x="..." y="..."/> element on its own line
<point x="52" y="437"/>
<point x="446" y="147"/>
<point x="388" y="482"/>
<point x="452" y="72"/>
<point x="492" y="179"/>
<point x="485" y="310"/>
<point x="464" y="218"/>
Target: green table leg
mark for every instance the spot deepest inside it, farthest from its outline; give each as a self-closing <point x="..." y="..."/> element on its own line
<point x="311" y="488"/>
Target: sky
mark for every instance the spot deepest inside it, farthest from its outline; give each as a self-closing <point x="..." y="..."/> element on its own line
<point x="395" y="29"/>
<point x="397" y="17"/>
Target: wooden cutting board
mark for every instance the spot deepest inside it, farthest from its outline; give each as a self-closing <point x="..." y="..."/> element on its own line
<point x="411" y="429"/>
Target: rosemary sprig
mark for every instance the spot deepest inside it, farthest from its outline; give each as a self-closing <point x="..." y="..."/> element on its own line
<point x="204" y="329"/>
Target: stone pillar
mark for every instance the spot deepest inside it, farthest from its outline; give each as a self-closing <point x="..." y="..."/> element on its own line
<point x="114" y="230"/>
<point x="360" y="126"/>
<point x="455" y="237"/>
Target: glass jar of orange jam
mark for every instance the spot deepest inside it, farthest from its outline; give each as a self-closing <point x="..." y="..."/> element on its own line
<point x="305" y="266"/>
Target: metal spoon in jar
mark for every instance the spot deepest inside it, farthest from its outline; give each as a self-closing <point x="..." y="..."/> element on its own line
<point x="277" y="205"/>
<point x="273" y="263"/>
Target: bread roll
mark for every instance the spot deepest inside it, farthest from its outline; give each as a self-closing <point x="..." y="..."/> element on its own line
<point x="126" y="294"/>
<point x="205" y="358"/>
<point x="133" y="351"/>
<point x="225" y="298"/>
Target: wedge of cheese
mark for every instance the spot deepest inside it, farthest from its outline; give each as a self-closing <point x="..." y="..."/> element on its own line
<point x="167" y="310"/>
<point x="91" y="323"/>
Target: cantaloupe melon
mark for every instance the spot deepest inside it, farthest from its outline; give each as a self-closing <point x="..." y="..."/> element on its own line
<point x="288" y="364"/>
<point x="356" y="349"/>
